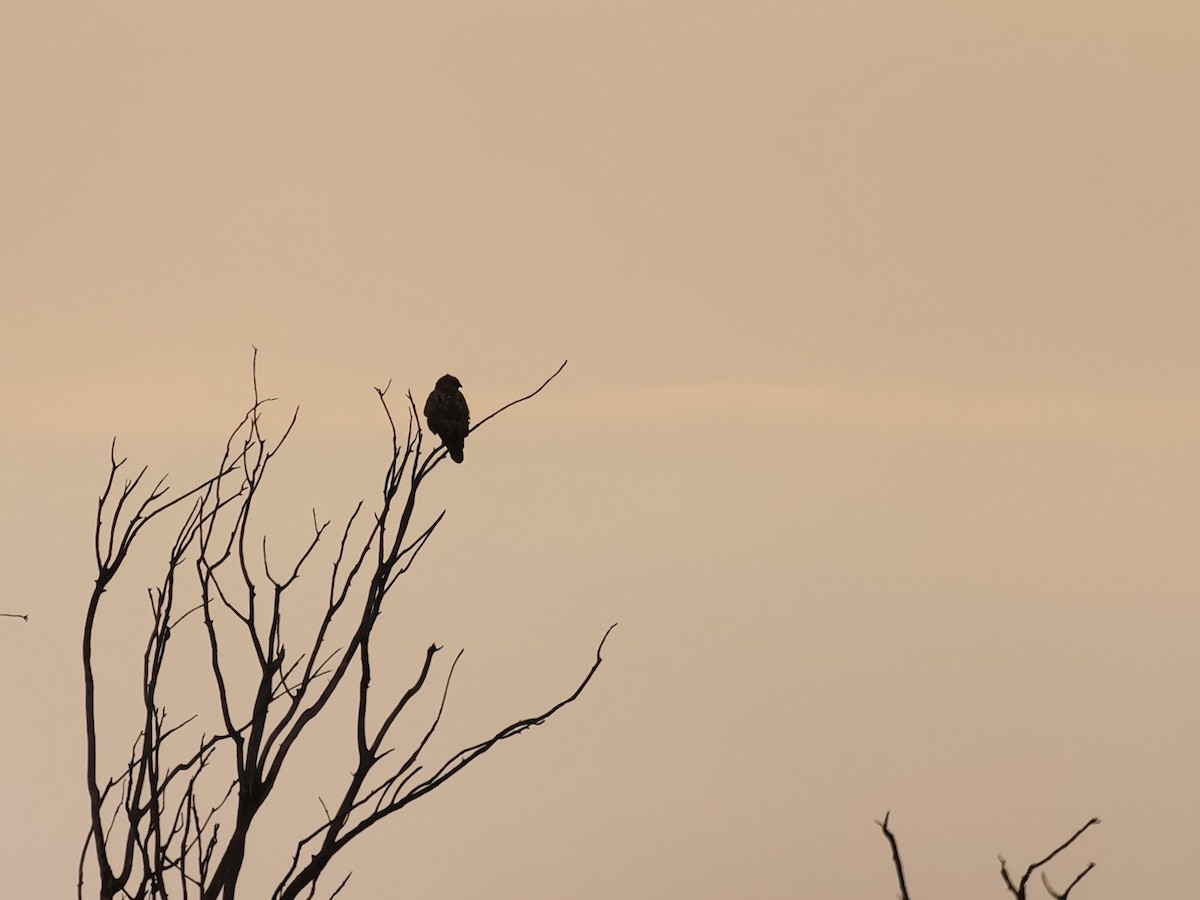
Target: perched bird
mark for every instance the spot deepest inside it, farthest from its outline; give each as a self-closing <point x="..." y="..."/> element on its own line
<point x="447" y="414"/>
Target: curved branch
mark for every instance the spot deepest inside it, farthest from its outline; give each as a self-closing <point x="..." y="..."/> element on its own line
<point x="493" y="415"/>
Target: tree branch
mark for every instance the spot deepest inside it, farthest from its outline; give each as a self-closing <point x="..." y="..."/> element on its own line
<point x="891" y="838"/>
<point x="293" y="885"/>
<point x="1018" y="889"/>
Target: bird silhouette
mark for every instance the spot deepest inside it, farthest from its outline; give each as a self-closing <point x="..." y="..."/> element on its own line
<point x="447" y="414"/>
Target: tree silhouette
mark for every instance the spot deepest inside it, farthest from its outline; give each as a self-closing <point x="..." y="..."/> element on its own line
<point x="1017" y="888"/>
<point x="175" y="819"/>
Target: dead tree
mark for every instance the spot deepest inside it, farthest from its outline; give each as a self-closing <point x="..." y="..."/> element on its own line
<point x="1017" y="888"/>
<point x="175" y="819"/>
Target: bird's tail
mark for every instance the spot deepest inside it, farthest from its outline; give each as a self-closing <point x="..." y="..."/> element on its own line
<point x="456" y="451"/>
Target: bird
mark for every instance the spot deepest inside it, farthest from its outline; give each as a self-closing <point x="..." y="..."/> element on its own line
<point x="447" y="414"/>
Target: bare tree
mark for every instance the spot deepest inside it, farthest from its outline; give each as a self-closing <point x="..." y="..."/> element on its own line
<point x="1016" y="888"/>
<point x="175" y="819"/>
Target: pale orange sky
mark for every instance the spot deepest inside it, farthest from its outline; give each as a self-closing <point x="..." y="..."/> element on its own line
<point x="879" y="436"/>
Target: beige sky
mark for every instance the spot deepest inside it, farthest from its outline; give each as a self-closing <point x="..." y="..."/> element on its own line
<point x="879" y="435"/>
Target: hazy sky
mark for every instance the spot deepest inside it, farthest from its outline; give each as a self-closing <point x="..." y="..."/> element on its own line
<point x="879" y="437"/>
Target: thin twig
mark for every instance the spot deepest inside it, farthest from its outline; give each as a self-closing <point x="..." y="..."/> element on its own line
<point x="1066" y="893"/>
<point x="519" y="399"/>
<point x="887" y="832"/>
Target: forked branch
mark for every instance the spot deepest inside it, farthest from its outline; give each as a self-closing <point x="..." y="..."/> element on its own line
<point x="339" y="830"/>
<point x="1018" y="889"/>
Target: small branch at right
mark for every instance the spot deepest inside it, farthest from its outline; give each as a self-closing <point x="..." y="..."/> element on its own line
<point x="1018" y="889"/>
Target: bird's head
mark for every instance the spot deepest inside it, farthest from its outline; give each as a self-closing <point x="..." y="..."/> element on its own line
<point x="448" y="383"/>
